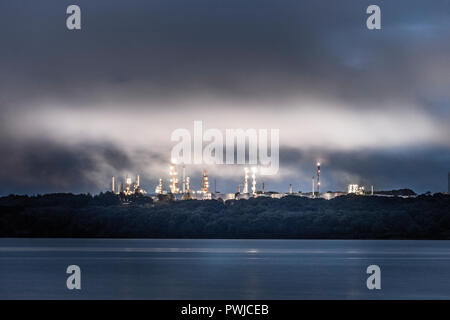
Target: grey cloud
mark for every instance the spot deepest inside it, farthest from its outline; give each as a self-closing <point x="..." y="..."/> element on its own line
<point x="41" y="166"/>
<point x="259" y="50"/>
<point x="422" y="169"/>
<point x="133" y="54"/>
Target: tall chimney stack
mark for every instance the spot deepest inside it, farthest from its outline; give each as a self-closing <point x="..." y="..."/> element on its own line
<point x="113" y="185"/>
<point x="254" y="180"/>
<point x="318" y="179"/>
<point x="245" y="180"/>
<point x="183" y="182"/>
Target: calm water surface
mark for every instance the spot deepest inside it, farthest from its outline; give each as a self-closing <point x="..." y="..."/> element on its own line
<point x="223" y="269"/>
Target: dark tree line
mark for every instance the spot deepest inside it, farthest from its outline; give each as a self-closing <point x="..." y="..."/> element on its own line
<point x="345" y="217"/>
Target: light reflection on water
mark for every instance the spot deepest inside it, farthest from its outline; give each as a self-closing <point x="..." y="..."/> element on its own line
<point x="223" y="269"/>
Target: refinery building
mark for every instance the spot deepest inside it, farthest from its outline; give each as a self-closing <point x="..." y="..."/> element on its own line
<point x="180" y="188"/>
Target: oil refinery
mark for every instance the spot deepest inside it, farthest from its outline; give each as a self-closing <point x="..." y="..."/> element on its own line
<point x="249" y="187"/>
<point x="128" y="188"/>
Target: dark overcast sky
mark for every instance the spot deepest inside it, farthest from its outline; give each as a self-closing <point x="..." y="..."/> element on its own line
<point x="80" y="106"/>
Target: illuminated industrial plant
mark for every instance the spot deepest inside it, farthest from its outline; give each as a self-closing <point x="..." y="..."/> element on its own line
<point x="245" y="181"/>
<point x="188" y="184"/>
<point x="183" y="181"/>
<point x="318" y="179"/>
<point x="185" y="192"/>
<point x="130" y="187"/>
<point x="205" y="182"/>
<point x="173" y="173"/>
<point x="355" y="189"/>
<point x="254" y="170"/>
<point x="159" y="188"/>
<point x="313" y="191"/>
